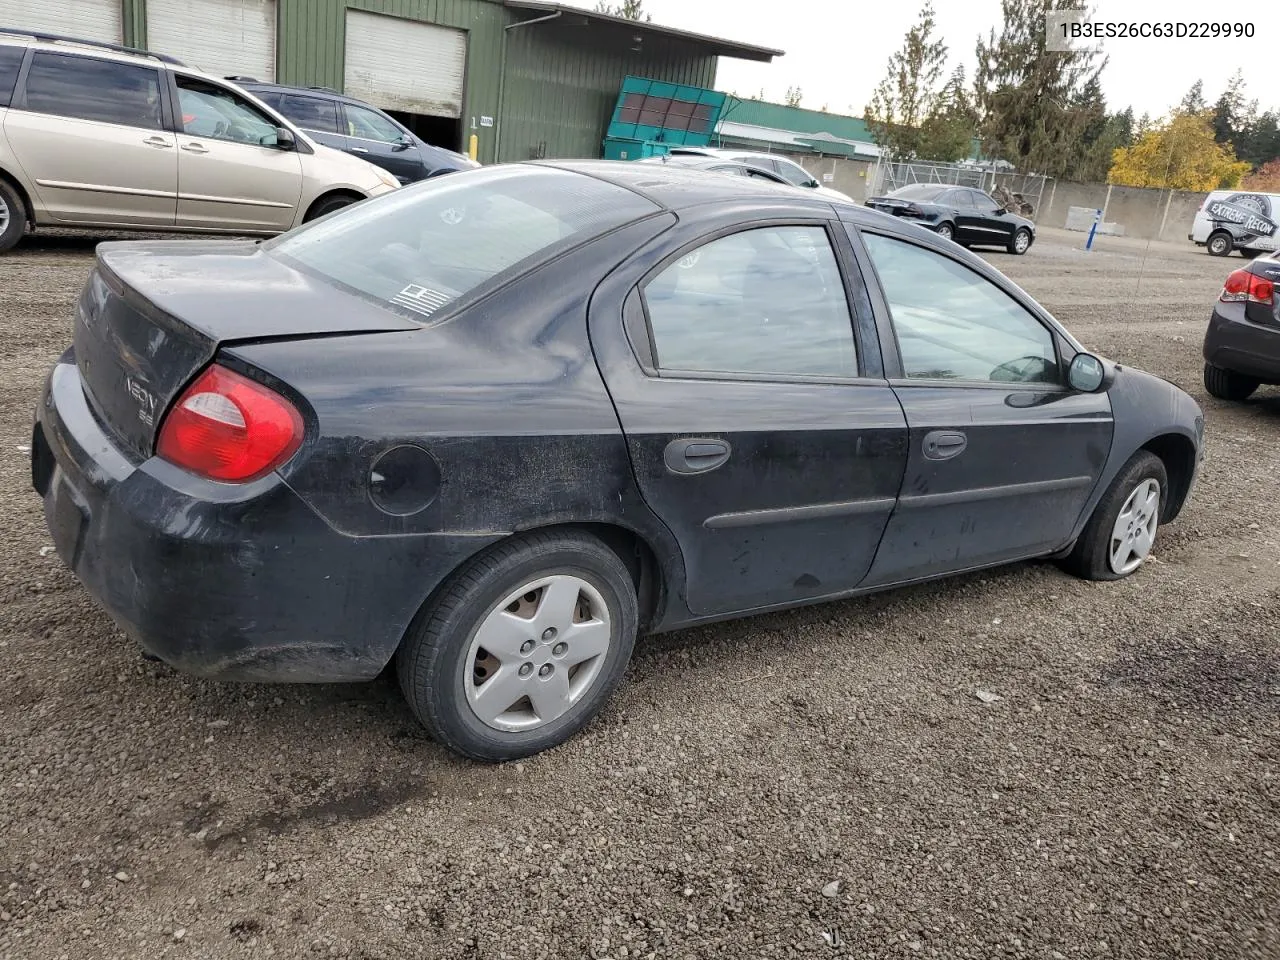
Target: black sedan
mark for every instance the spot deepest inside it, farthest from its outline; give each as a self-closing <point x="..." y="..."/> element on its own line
<point x="1242" y="343"/>
<point x="496" y="425"/>
<point x="963" y="214"/>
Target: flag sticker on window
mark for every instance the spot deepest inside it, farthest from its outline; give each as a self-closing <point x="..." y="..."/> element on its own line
<point x="421" y="299"/>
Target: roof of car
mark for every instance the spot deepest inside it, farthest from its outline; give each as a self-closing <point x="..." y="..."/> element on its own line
<point x="678" y="185"/>
<point x="250" y="84"/>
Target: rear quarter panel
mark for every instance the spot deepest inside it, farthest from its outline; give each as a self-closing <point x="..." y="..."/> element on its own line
<point x="505" y="397"/>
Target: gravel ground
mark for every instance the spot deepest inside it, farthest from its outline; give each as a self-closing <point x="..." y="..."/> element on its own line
<point x="820" y="783"/>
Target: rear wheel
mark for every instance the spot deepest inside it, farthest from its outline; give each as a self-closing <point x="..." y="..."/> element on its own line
<point x="946" y="231"/>
<point x="1021" y="242"/>
<point x="1220" y="244"/>
<point x="523" y="647"/>
<point x="13" y="217"/>
<point x="1227" y="384"/>
<point x="1122" y="531"/>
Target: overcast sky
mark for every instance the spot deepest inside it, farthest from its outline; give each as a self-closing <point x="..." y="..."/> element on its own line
<point x="836" y="52"/>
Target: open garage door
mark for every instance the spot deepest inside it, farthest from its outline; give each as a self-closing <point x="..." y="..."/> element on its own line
<point x="404" y="65"/>
<point x="221" y="37"/>
<point x="84" y="19"/>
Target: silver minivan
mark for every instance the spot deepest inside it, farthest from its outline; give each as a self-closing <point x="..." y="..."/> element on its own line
<point x="101" y="136"/>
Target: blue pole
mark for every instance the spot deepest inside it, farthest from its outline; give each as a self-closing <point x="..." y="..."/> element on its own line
<point x="1097" y="217"/>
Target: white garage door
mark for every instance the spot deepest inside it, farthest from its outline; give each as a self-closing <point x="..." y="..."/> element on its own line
<point x="222" y="37"/>
<point x="405" y="65"/>
<point x="84" y="19"/>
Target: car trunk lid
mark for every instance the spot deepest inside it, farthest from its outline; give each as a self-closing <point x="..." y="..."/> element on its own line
<point x="153" y="315"/>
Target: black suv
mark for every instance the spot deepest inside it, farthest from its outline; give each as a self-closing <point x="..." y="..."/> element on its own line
<point x="345" y="123"/>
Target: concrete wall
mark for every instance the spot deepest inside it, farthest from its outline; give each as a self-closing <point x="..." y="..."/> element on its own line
<point x="1143" y="213"/>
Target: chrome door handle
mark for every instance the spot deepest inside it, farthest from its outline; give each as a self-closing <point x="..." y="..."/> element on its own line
<point x="194" y="148"/>
<point x="158" y="142"/>
<point x="359" y="150"/>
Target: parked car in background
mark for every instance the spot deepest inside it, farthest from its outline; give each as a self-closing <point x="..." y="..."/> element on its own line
<point x="969" y="216"/>
<point x="358" y="128"/>
<point x="498" y="424"/>
<point x="1243" y="220"/>
<point x="1242" y="343"/>
<point x="789" y="170"/>
<point x="732" y="168"/>
<point x="100" y="136"/>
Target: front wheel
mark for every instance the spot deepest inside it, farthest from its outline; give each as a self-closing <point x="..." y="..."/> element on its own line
<point x="328" y="205"/>
<point x="946" y="231"/>
<point x="1120" y="535"/>
<point x="1021" y="242"/>
<point x="523" y="647"/>
<point x="1228" y="385"/>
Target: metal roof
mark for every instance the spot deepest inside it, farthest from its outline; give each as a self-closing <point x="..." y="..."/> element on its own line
<point x="800" y="142"/>
<point x="716" y="45"/>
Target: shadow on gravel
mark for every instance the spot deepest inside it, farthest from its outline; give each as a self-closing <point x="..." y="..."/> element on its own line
<point x="1227" y="679"/>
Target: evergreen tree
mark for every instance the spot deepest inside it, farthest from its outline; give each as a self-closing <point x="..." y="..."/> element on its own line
<point x="1194" y="102"/>
<point x="1028" y="96"/>
<point x="908" y="95"/>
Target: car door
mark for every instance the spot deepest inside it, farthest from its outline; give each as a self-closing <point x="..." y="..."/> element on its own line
<point x="990" y="224"/>
<point x="231" y="174"/>
<point x="760" y="429"/>
<point x="373" y="137"/>
<point x="1002" y="456"/>
<point x="91" y="135"/>
<point x="958" y="205"/>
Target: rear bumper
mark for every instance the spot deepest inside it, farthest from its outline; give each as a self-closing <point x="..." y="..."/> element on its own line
<point x="1244" y="347"/>
<point x="226" y="582"/>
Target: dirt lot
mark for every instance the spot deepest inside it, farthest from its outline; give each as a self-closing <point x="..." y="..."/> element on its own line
<point x="1120" y="799"/>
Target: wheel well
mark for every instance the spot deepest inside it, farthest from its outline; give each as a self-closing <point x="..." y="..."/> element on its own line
<point x="1179" y="457"/>
<point x="640" y="560"/>
<point x="22" y="194"/>
<point x="332" y="194"/>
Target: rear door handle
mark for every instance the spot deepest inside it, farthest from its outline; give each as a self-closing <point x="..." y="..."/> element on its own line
<point x="194" y="148"/>
<point x="687" y="456"/>
<point x="944" y="444"/>
<point x="157" y="142"/>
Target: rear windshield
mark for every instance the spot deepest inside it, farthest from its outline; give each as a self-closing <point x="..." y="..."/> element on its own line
<point x="431" y="243"/>
<point x="919" y="191"/>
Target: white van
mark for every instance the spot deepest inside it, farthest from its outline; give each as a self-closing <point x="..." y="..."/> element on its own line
<point x="1237" y="220"/>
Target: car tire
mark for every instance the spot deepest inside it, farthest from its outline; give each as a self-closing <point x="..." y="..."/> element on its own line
<point x="946" y="231"/>
<point x="1220" y="244"/>
<point x="1228" y="385"/>
<point x="1021" y="242"/>
<point x="444" y="668"/>
<point x="327" y="205"/>
<point x="13" y="217"/>
<point x="1095" y="555"/>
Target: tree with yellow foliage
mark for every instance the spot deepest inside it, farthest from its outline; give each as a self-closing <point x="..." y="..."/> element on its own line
<point x="1265" y="179"/>
<point x="1180" y="154"/>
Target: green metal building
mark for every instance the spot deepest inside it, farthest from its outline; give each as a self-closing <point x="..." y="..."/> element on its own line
<point x="526" y="78"/>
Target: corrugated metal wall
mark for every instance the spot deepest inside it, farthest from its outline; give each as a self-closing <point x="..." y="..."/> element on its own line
<point x="561" y="80"/>
<point x="562" y="84"/>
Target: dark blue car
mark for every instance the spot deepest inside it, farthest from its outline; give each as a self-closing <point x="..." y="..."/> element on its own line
<point x="345" y="123"/>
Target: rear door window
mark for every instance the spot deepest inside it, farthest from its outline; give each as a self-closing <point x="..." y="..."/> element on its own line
<point x="311" y="113"/>
<point x="10" y="63"/>
<point x="85" y="88"/>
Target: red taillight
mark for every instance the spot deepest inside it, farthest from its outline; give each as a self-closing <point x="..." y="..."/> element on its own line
<point x="1243" y="286"/>
<point x="230" y="428"/>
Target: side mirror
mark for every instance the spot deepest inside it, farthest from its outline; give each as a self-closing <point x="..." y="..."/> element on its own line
<point x="285" y="140"/>
<point x="404" y="143"/>
<point x="1088" y="374"/>
<point x="813" y="184"/>
<point x="1000" y="211"/>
